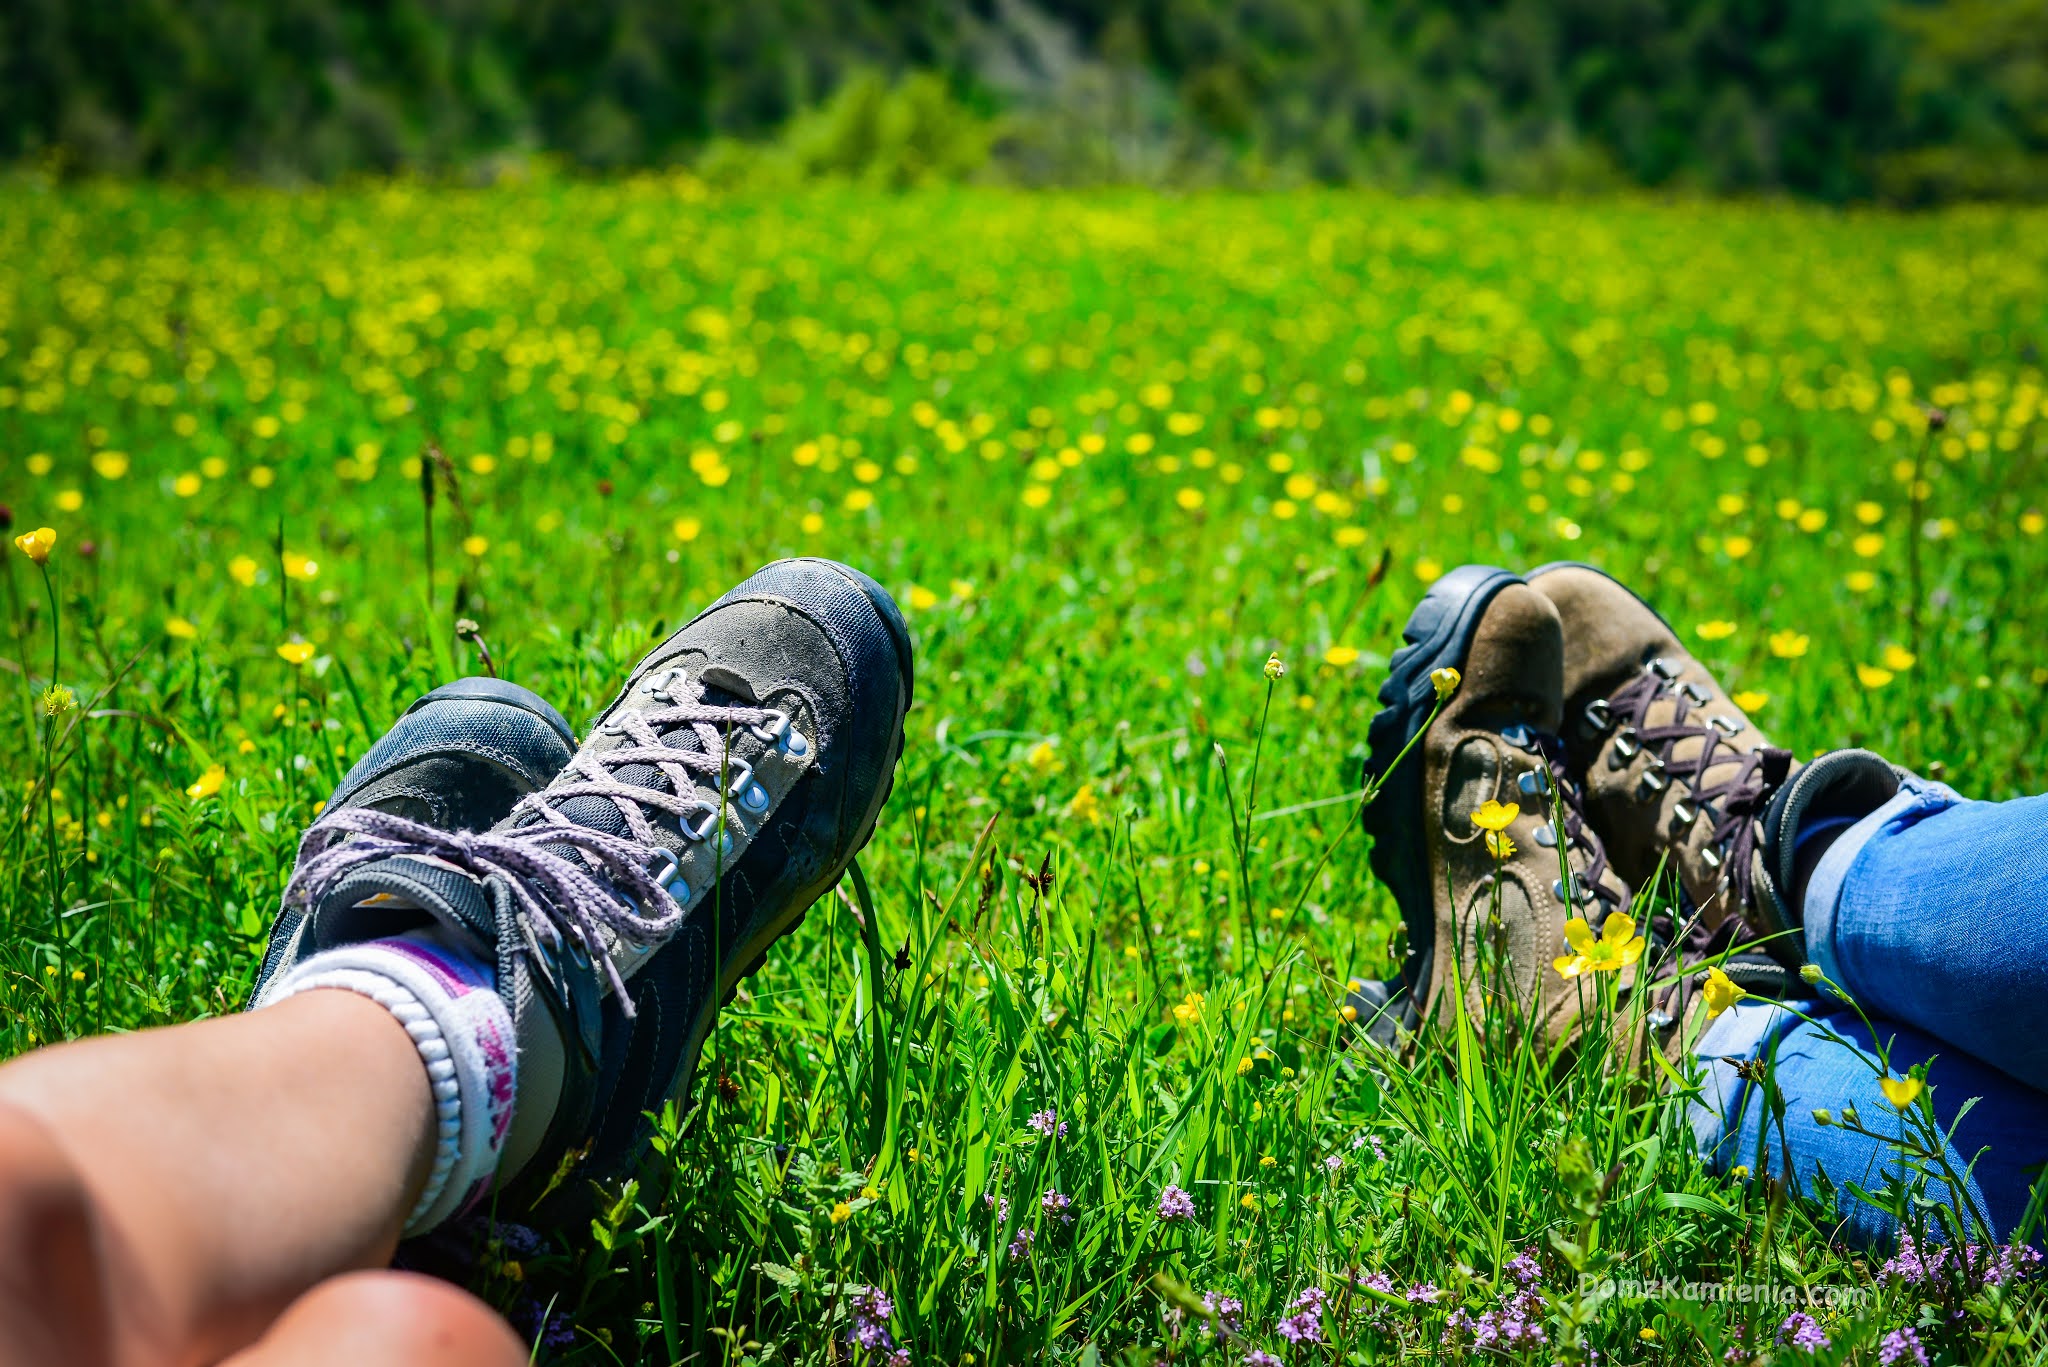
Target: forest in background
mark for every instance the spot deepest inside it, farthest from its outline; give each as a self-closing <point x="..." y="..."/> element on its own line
<point x="1908" y="101"/>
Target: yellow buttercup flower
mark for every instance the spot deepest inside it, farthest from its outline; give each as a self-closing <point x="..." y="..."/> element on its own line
<point x="687" y="528"/>
<point x="1872" y="676"/>
<point x="1494" y="815"/>
<point x="300" y="567"/>
<point x="1901" y="1091"/>
<point x="1499" y="846"/>
<point x="242" y="569"/>
<point x="1340" y="655"/>
<point x="1898" y="659"/>
<point x="1716" y="630"/>
<point x="922" y="598"/>
<point x="1722" y="992"/>
<point x="1616" y="947"/>
<point x="1751" y="700"/>
<point x="1445" y="681"/>
<point x="475" y="546"/>
<point x="208" y="783"/>
<point x="1788" y="645"/>
<point x="841" y="1213"/>
<point x="36" y="545"/>
<point x="180" y="629"/>
<point x="295" y="652"/>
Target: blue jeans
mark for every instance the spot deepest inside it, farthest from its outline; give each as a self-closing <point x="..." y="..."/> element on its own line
<point x="1932" y="912"/>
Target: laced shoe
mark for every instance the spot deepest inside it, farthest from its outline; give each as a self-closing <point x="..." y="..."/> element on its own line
<point x="724" y="790"/>
<point x="1675" y="774"/>
<point x="457" y="760"/>
<point x="1495" y="740"/>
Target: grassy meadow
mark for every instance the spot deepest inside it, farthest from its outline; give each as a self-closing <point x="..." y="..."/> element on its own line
<point x="1110" y="452"/>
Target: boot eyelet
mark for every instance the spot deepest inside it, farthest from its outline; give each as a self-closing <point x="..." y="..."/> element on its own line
<point x="1685" y="811"/>
<point x="1533" y="783"/>
<point x="1599" y="715"/>
<point x="1727" y="726"/>
<point x="1625" y="743"/>
<point x="1546" y="837"/>
<point x="1711" y="857"/>
<point x="1663" y="668"/>
<point x="1519" y="735"/>
<point x="1700" y="696"/>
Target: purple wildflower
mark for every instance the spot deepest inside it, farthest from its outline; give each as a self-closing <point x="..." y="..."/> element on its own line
<point x="1524" y="1268"/>
<point x="1021" y="1245"/>
<point x="899" y="1358"/>
<point x="1259" y="1357"/>
<point x="1000" y="1205"/>
<point x="1333" y="1163"/>
<point x="1304" y="1323"/>
<point x="536" y="1323"/>
<point x="1377" y="1281"/>
<point x="870" y="1307"/>
<point x="1175" y="1204"/>
<point x="1055" y="1206"/>
<point x="1800" y="1330"/>
<point x="1047" y="1122"/>
<point x="1901" y="1346"/>
<point x="1913" y="1267"/>
<point x="2009" y="1263"/>
<point x="1228" y="1311"/>
<point x="1424" y="1293"/>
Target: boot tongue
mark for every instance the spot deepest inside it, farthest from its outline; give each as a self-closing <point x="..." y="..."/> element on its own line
<point x="385" y="896"/>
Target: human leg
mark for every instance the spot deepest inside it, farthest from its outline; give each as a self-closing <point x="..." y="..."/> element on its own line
<point x="164" y="1195"/>
<point x="1933" y="910"/>
<point x="391" y="1319"/>
<point x="2005" y="1133"/>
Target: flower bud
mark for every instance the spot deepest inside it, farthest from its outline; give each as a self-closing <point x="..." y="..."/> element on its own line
<point x="1445" y="681"/>
<point x="1822" y="1118"/>
<point x="1810" y="973"/>
<point x="1274" y="668"/>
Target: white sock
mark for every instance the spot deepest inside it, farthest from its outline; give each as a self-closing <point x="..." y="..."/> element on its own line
<point x="445" y="995"/>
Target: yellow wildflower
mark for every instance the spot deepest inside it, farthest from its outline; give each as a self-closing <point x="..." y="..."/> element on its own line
<point x="295" y="652"/>
<point x="686" y="528"/>
<point x="841" y="1213"/>
<point x="1716" y="630"/>
<point x="180" y="629"/>
<point x="1445" y="681"/>
<point x="1872" y="676"/>
<point x="475" y="546"/>
<point x="303" y="567"/>
<point x="1898" y="659"/>
<point x="1189" y="1009"/>
<point x="1494" y="815"/>
<point x="36" y="545"/>
<point x="1189" y="498"/>
<point x="208" y="783"/>
<point x="1751" y="700"/>
<point x="1722" y="992"/>
<point x="1340" y="655"/>
<point x="1788" y="645"/>
<point x="1042" y="757"/>
<point x="1901" y="1091"/>
<point x="922" y="598"/>
<point x="1499" y="846"/>
<point x="1616" y="947"/>
<point x="242" y="569"/>
<point x="1085" y="805"/>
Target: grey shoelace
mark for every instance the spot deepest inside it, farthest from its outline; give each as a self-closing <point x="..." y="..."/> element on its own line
<point x="569" y="879"/>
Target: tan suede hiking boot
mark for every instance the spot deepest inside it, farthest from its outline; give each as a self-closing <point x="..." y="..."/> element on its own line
<point x="1494" y="917"/>
<point x="1674" y="772"/>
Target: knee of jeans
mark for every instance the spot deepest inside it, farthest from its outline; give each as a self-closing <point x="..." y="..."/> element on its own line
<point x="52" y="1293"/>
<point x="396" y="1318"/>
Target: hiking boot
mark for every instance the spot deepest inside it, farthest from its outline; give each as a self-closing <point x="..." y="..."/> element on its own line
<point x="1676" y="775"/>
<point x="457" y="759"/>
<point x="724" y="791"/>
<point x="1494" y="741"/>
